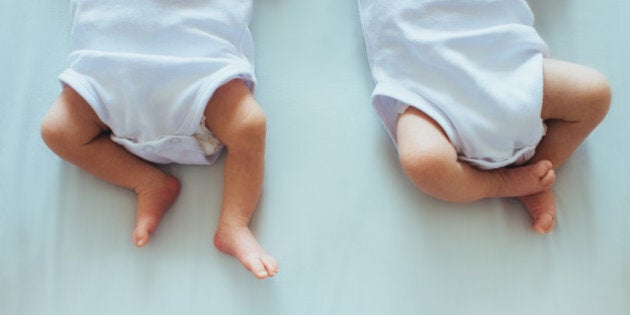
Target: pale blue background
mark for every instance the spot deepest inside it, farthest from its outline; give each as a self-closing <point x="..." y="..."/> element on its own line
<point x="351" y="233"/>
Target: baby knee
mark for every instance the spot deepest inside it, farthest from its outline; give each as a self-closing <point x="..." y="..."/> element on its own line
<point x="52" y="131"/>
<point x="603" y="93"/>
<point x="253" y="124"/>
<point x="423" y="167"/>
<point x="598" y="94"/>
<point x="249" y="130"/>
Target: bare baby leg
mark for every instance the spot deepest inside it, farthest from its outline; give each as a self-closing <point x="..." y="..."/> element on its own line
<point x="237" y="121"/>
<point x="74" y="132"/>
<point x="431" y="162"/>
<point x="576" y="99"/>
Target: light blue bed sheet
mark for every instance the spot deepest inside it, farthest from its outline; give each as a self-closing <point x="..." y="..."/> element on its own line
<point x="351" y="233"/>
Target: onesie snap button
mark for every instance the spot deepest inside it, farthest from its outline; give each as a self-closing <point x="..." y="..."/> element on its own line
<point x="175" y="140"/>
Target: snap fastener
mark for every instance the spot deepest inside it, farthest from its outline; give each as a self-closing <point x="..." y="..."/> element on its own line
<point x="174" y="140"/>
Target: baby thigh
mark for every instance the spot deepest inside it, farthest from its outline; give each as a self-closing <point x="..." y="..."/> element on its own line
<point x="235" y="118"/>
<point x="574" y="92"/>
<point x="73" y="131"/>
<point x="576" y="99"/>
<point x="70" y="123"/>
<point x="431" y="161"/>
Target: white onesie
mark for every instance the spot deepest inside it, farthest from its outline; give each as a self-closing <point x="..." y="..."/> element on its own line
<point x="149" y="67"/>
<point x="474" y="66"/>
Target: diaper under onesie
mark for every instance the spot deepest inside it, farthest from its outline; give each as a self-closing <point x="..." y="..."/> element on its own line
<point x="474" y="66"/>
<point x="149" y="67"/>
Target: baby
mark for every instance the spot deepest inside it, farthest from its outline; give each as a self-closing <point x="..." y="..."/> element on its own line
<point x="165" y="82"/>
<point x="472" y="102"/>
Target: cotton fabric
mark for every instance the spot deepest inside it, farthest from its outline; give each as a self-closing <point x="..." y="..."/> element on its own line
<point x="474" y="66"/>
<point x="149" y="67"/>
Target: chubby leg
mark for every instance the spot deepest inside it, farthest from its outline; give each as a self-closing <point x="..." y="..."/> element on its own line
<point x="73" y="131"/>
<point x="576" y="99"/>
<point x="430" y="161"/>
<point x="238" y="121"/>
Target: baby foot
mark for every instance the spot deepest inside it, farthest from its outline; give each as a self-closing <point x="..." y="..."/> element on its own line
<point x="154" y="198"/>
<point x="240" y="243"/>
<point x="524" y="180"/>
<point x="542" y="208"/>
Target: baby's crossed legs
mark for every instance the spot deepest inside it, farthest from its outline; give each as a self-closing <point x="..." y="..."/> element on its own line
<point x="432" y="164"/>
<point x="73" y="130"/>
<point x="575" y="100"/>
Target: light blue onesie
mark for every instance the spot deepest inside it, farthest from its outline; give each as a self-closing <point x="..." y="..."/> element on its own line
<point x="149" y="67"/>
<point x="474" y="66"/>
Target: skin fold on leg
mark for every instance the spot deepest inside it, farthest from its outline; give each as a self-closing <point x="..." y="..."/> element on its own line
<point x="575" y="101"/>
<point x="73" y="131"/>
<point x="431" y="162"/>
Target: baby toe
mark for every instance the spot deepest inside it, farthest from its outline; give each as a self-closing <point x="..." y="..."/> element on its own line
<point x="140" y="237"/>
<point x="270" y="265"/>
<point x="544" y="223"/>
<point x="548" y="179"/>
<point x="257" y="268"/>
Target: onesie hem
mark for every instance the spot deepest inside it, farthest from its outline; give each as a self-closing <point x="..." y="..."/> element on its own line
<point x="390" y="95"/>
<point x="391" y="101"/>
<point x="75" y="80"/>
<point x="211" y="83"/>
